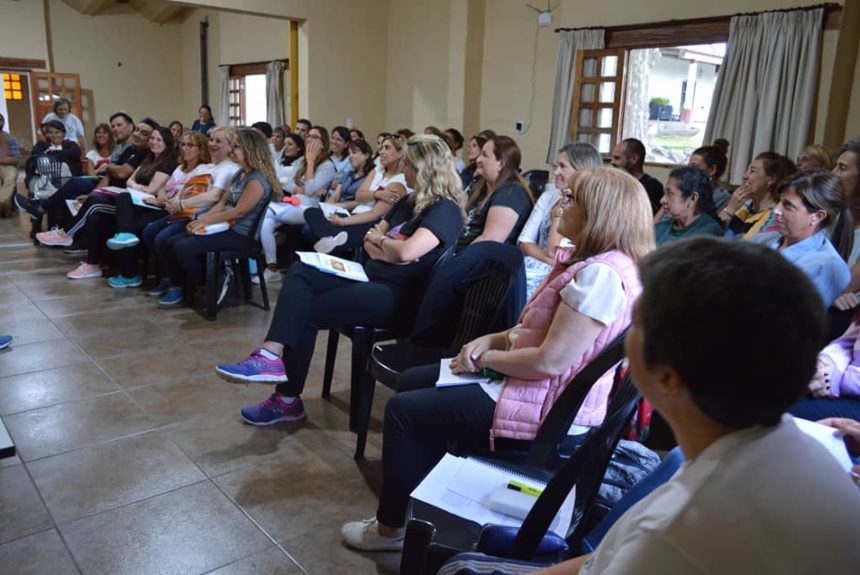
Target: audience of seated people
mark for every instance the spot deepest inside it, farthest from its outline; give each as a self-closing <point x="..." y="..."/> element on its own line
<point x="688" y="207"/>
<point x="401" y="251"/>
<point x="384" y="185"/>
<point x="741" y="503"/>
<point x="584" y="240"/>
<point x="253" y="186"/>
<point x="585" y="304"/>
<point x="540" y="237"/>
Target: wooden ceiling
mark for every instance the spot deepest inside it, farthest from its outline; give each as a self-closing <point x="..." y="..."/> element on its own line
<point x="156" y="11"/>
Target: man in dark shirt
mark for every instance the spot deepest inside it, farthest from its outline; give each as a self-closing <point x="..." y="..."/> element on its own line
<point x="629" y="155"/>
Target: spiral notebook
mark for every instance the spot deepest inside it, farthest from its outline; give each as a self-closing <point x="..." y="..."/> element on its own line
<point x="465" y="486"/>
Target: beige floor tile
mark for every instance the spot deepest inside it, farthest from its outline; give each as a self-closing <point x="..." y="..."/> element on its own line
<point x="31" y="331"/>
<point x="128" y="470"/>
<point x="37" y="554"/>
<point x="191" y="530"/>
<point x="21" y="309"/>
<point x="21" y="510"/>
<point x="52" y="386"/>
<point x="52" y="430"/>
<point x="151" y="367"/>
<point x="38" y="356"/>
<point x="272" y="561"/>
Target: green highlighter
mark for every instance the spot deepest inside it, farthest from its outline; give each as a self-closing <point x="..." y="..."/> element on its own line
<point x="515" y="485"/>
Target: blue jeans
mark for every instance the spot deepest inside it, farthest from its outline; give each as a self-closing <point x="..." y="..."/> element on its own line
<point x="814" y="409"/>
<point x="155" y="236"/>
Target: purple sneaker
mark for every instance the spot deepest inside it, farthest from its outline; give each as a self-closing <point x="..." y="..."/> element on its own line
<point x="256" y="368"/>
<point x="274" y="410"/>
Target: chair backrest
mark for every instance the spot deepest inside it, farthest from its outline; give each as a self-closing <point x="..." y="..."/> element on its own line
<point x="465" y="293"/>
<point x="536" y="179"/>
<point x="584" y="470"/>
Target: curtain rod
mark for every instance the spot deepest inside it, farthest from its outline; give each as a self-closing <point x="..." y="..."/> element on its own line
<point x="828" y="7"/>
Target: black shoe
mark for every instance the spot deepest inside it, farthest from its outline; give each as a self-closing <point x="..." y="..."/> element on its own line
<point x="30" y="206"/>
<point x="76" y="249"/>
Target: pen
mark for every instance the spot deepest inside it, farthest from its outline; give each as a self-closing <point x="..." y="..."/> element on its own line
<point x="523" y="488"/>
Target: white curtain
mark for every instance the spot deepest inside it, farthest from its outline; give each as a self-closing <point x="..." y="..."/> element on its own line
<point x="766" y="88"/>
<point x="223" y="117"/>
<point x="274" y="93"/>
<point x="569" y="42"/>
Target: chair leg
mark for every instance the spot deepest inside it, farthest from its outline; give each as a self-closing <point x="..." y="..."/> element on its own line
<point x="362" y="385"/>
<point x="330" y="357"/>
<point x="211" y="310"/>
<point x="245" y="278"/>
<point x="264" y="290"/>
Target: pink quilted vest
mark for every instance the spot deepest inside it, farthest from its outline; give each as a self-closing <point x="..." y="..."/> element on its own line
<point x="524" y="404"/>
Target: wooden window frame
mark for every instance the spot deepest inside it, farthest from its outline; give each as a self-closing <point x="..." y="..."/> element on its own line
<point x="238" y="72"/>
<point x="596" y="105"/>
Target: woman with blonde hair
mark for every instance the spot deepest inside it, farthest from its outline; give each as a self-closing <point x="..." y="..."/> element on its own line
<point x="585" y="303"/>
<point x="240" y="208"/>
<point x="401" y="251"/>
<point x="814" y="157"/>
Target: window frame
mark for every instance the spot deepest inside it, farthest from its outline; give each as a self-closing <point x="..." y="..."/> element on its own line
<point x="577" y="106"/>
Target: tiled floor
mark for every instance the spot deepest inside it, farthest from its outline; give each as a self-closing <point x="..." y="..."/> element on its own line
<point x="132" y="457"/>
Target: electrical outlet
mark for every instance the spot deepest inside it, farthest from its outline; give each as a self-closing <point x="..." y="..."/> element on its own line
<point x="520" y="127"/>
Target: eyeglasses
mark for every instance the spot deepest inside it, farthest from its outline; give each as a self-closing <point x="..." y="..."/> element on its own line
<point x="187" y="145"/>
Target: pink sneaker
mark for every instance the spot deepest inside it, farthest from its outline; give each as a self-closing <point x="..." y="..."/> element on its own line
<point x="85" y="271"/>
<point x="55" y="237"/>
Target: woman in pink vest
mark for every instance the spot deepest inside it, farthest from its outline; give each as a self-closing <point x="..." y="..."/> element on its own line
<point x="584" y="304"/>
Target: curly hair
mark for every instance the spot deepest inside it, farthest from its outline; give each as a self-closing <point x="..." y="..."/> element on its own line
<point x="435" y="175"/>
<point x="202" y="143"/>
<point x="255" y="151"/>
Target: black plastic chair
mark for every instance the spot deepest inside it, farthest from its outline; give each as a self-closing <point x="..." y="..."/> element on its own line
<point x="464" y="296"/>
<point x="215" y="263"/>
<point x="537" y="180"/>
<point x="55" y="171"/>
<point x="584" y="469"/>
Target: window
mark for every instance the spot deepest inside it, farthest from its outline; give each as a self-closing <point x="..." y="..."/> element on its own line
<point x="666" y="94"/>
<point x="247" y="91"/>
<point x="12" y="86"/>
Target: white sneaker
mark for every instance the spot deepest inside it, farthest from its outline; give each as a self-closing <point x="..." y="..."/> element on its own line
<point x="328" y="244"/>
<point x="364" y="535"/>
<point x="270" y="275"/>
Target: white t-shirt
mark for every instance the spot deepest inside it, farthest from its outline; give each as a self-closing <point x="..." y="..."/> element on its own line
<point x="178" y="178"/>
<point x="540" y="217"/>
<point x="760" y="500"/>
<point x="222" y="174"/>
<point x="379" y="182"/>
<point x="96" y="158"/>
<point x="595" y="291"/>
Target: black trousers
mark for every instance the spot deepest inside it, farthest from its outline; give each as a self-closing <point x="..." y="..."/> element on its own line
<point x="186" y="254"/>
<point x="311" y="300"/>
<point x="96" y="221"/>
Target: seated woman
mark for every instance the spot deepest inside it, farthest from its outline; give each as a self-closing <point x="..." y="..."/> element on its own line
<point x="712" y="161"/>
<point x="378" y="192"/>
<point x="176" y="128"/>
<point x="848" y="169"/>
<point x="204" y="122"/>
<point x="100" y="152"/>
<point x="131" y="219"/>
<point x="57" y="147"/>
<point x="585" y="303"/>
<point x="814" y="230"/>
<point x="251" y="189"/>
<point x="149" y="178"/>
<point x="194" y="198"/>
<point x="501" y="202"/>
<point x="467" y="174"/>
<point x="294" y="150"/>
<point x="540" y="237"/>
<point x="814" y="157"/>
<point x="401" y="252"/>
<point x="689" y="207"/>
<point x="750" y="209"/>
<point x="455" y="140"/>
<point x="339" y="148"/>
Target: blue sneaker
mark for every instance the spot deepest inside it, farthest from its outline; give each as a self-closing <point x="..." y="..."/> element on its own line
<point x="274" y="410"/>
<point x="255" y="368"/>
<point x="124" y="282"/>
<point x="159" y="290"/>
<point x="122" y="241"/>
<point x="5" y="341"/>
<point x="172" y="298"/>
